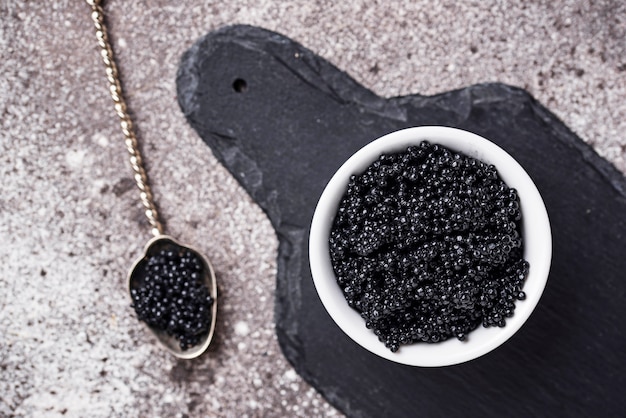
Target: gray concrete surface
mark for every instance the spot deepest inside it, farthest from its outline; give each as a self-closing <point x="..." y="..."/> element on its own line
<point x="70" y="219"/>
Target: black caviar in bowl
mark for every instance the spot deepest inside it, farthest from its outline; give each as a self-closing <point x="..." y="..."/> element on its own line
<point x="426" y="245"/>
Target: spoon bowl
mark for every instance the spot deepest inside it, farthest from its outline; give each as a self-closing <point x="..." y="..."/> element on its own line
<point x="137" y="277"/>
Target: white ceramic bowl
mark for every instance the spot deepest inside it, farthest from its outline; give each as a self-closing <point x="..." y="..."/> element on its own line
<point x="535" y="232"/>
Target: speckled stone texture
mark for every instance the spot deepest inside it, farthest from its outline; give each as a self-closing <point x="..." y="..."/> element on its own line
<point x="69" y="213"/>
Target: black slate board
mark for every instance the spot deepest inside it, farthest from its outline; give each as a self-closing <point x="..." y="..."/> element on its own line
<point x="282" y="120"/>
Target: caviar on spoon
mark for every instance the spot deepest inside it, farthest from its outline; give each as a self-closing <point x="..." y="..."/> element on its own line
<point x="173" y="289"/>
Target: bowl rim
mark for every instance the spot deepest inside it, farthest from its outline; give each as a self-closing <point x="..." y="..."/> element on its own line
<point x="535" y="230"/>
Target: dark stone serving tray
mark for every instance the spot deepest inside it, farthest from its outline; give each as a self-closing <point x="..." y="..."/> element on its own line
<point x="282" y="120"/>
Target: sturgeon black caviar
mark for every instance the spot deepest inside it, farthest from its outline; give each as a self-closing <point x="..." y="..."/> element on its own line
<point x="426" y="246"/>
<point x="172" y="296"/>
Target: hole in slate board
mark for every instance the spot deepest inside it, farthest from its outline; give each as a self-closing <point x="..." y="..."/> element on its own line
<point x="240" y="85"/>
